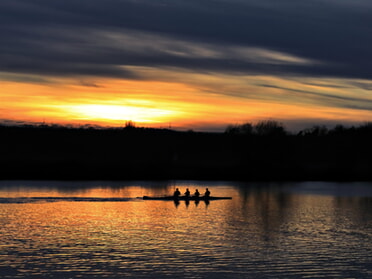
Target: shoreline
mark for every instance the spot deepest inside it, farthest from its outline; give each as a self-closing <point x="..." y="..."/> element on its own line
<point x="148" y="154"/>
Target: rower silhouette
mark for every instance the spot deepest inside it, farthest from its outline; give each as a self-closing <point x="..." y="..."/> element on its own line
<point x="207" y="194"/>
<point x="196" y="194"/>
<point x="176" y="193"/>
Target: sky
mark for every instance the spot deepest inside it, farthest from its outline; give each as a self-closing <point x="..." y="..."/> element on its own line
<point x="186" y="64"/>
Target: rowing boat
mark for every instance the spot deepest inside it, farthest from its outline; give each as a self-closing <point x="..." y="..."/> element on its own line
<point x="183" y="198"/>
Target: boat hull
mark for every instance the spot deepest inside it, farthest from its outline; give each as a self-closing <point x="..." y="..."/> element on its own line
<point x="171" y="198"/>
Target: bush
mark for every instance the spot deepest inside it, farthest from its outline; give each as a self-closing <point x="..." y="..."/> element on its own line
<point x="244" y="129"/>
<point x="269" y="128"/>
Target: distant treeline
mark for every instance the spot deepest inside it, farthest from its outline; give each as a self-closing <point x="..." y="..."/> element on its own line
<point x="262" y="151"/>
<point x="275" y="128"/>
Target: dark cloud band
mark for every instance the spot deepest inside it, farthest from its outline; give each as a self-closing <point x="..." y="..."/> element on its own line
<point x="99" y="38"/>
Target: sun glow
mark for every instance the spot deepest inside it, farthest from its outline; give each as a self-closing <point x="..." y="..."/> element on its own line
<point x="120" y="113"/>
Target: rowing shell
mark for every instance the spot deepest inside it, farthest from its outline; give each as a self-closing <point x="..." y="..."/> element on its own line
<point x="182" y="198"/>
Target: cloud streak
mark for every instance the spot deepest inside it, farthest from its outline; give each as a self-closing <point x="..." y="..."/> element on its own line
<point x="330" y="99"/>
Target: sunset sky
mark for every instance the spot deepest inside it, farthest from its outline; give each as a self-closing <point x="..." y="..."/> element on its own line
<point x="188" y="64"/>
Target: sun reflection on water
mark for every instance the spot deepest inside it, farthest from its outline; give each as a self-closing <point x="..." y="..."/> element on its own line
<point x="263" y="232"/>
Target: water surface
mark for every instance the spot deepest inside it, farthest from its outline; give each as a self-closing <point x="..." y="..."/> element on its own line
<point x="104" y="230"/>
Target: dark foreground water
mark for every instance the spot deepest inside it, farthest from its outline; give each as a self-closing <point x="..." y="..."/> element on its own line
<point x="102" y="230"/>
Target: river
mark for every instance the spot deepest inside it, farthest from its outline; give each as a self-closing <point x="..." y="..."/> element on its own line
<point x="103" y="229"/>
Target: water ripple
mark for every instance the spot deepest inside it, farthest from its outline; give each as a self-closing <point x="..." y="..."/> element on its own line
<point x="65" y="199"/>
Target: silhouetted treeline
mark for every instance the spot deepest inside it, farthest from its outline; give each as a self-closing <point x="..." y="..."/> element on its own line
<point x="264" y="151"/>
<point x="262" y="128"/>
<point x="275" y="128"/>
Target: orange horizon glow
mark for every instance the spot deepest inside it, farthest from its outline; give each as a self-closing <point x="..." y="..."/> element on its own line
<point x="113" y="102"/>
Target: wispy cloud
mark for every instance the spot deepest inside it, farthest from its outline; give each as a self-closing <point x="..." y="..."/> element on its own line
<point x="107" y="53"/>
